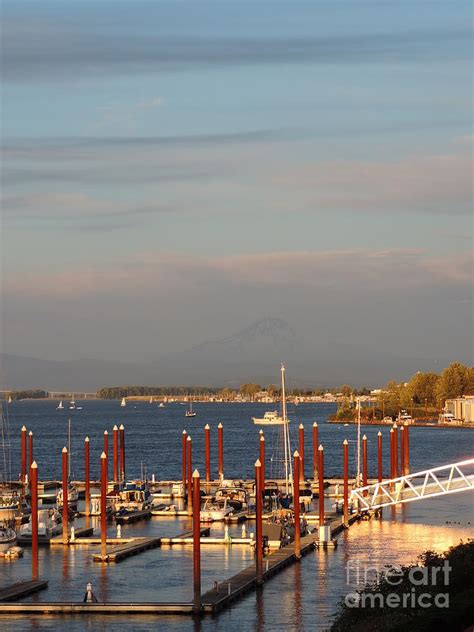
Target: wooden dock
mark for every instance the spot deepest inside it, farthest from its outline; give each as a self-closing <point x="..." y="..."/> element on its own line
<point x="96" y="608"/>
<point x="22" y="589"/>
<point x="134" y="516"/>
<point x="132" y="547"/>
<point x="187" y="537"/>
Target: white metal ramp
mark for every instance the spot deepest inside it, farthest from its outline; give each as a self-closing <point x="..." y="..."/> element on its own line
<point x="438" y="481"/>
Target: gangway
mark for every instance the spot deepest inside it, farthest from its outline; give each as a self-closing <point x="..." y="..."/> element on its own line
<point x="438" y="481"/>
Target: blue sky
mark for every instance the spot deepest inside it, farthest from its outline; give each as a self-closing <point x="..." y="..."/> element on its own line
<point x="211" y="163"/>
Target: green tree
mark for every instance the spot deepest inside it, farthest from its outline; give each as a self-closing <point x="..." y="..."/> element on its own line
<point x="423" y="388"/>
<point x="455" y="381"/>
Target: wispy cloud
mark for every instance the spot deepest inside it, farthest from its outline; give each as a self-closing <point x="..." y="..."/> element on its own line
<point x="361" y="270"/>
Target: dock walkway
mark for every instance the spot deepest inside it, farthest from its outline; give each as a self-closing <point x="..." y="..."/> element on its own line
<point x="133" y="547"/>
<point x="22" y="589"/>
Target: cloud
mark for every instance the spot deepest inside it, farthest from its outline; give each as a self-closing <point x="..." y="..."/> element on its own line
<point x="61" y="45"/>
<point x="334" y="271"/>
<point x="437" y="183"/>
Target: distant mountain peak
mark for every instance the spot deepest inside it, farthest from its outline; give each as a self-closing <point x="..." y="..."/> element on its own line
<point x="276" y="329"/>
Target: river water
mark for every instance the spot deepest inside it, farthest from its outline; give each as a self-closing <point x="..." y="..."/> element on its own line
<point x="304" y="596"/>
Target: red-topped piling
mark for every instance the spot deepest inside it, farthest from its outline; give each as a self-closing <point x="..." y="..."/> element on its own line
<point x="196" y="542"/>
<point x="183" y="461"/>
<point x="30" y="451"/>
<point x="207" y="451"/>
<point x="262" y="462"/>
<point x="220" y="450"/>
<point x="379" y="457"/>
<point x="87" y="476"/>
<point x="301" y="451"/>
<point x="402" y="451"/>
<point x="23" y="454"/>
<point x="65" y="465"/>
<point x="296" y="502"/>
<point x="116" y="453"/>
<point x="364" y="463"/>
<point x="395" y="451"/>
<point x="321" y="485"/>
<point x="258" y="521"/>
<point x="190" y="475"/>
<point x="103" y="505"/>
<point x="122" y="451"/>
<point x="315" y="451"/>
<point x="346" y="480"/>
<point x="407" y="449"/>
<point x="34" y="520"/>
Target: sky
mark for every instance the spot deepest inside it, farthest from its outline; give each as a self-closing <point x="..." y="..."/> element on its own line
<point x="174" y="171"/>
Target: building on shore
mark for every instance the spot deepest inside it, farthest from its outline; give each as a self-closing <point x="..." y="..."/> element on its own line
<point x="461" y="408"/>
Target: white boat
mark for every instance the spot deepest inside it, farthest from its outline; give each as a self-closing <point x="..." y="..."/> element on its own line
<point x="446" y="418"/>
<point x="134" y="497"/>
<point x="151" y="400"/>
<point x="161" y="405"/>
<point x="50" y="523"/>
<point x="404" y="418"/>
<point x="60" y="406"/>
<point x="9" y="399"/>
<point x="190" y="412"/>
<point x="215" y="510"/>
<point x="72" y="403"/>
<point x="72" y="496"/>
<point x="270" y="418"/>
<point x="7" y="538"/>
<point x="123" y="402"/>
<point x="12" y="504"/>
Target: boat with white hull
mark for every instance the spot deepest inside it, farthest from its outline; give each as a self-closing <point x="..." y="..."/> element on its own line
<point x="270" y="418"/>
<point x="7" y="539"/>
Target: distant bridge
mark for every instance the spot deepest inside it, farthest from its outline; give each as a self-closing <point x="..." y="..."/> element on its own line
<point x="438" y="481"/>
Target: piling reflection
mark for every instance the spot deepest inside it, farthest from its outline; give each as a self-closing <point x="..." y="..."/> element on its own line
<point x="259" y="610"/>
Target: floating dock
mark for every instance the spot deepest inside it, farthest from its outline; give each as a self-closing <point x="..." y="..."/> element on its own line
<point x="22" y="589"/>
<point x="134" y="516"/>
<point x="133" y="547"/>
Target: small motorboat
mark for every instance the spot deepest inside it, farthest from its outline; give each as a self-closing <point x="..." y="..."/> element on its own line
<point x="215" y="510"/>
<point x="72" y="496"/>
<point x="270" y="418"/>
<point x="50" y="523"/>
<point x="7" y="538"/>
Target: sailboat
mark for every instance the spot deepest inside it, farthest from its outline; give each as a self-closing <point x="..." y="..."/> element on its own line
<point x="123" y="402"/>
<point x="272" y="418"/>
<point x="60" y="406"/>
<point x="190" y="412"/>
<point x="9" y="399"/>
<point x="72" y="403"/>
<point x="151" y="400"/>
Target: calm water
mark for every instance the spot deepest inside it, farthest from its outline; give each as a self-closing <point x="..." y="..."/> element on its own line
<point x="303" y="597"/>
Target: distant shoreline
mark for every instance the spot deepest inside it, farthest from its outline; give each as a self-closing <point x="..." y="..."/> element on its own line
<point x="416" y="424"/>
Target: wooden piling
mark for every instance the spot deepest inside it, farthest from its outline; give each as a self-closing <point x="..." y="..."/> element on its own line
<point x="262" y="462"/>
<point x="87" y="476"/>
<point x="395" y="451"/>
<point x="392" y="460"/>
<point x="301" y="451"/>
<point x="220" y="450"/>
<point x="346" y="481"/>
<point x="103" y="505"/>
<point x="196" y="542"/>
<point x="379" y="457"/>
<point x="34" y="520"/>
<point x="402" y="451"/>
<point x="258" y="522"/>
<point x="122" y="452"/>
<point x="106" y="451"/>
<point x="190" y="476"/>
<point x="321" y="485"/>
<point x="315" y="451"/>
<point x="183" y="461"/>
<point x="116" y="453"/>
<point x="364" y="463"/>
<point x="65" y="465"/>
<point x="407" y="449"/>
<point x="207" y="451"/>
<point x="30" y="451"/>
<point x="23" y="454"/>
<point x="296" y="502"/>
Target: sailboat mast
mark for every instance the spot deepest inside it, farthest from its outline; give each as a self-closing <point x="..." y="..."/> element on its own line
<point x="286" y="438"/>
<point x="358" y="442"/>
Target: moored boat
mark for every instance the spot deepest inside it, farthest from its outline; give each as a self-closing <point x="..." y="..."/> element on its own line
<point x="270" y="418"/>
<point x="7" y="538"/>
